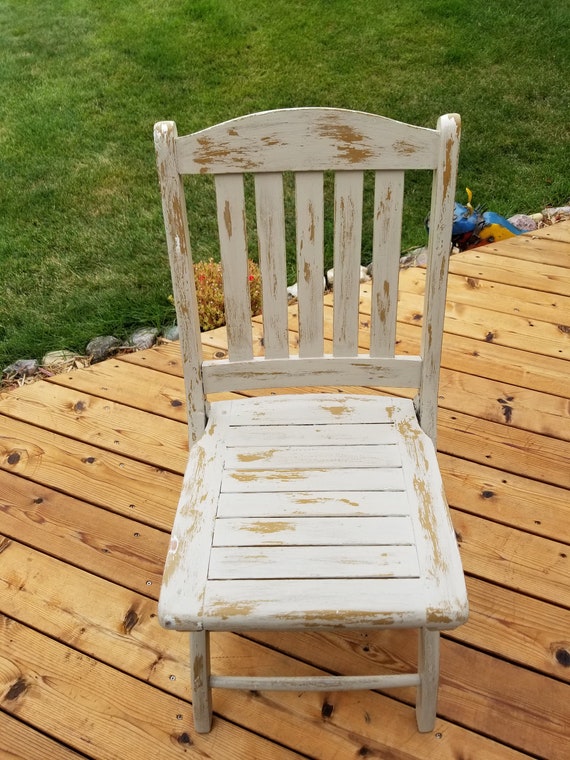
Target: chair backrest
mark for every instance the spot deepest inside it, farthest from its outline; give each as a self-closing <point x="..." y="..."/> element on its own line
<point x="308" y="142"/>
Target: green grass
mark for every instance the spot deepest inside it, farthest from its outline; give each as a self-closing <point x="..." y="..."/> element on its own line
<point x="82" y="81"/>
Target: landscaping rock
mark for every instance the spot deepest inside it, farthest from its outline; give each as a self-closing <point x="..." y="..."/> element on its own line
<point x="171" y="333"/>
<point x="102" y="347"/>
<point x="22" y="368"/>
<point x="58" y="358"/>
<point x="143" y="338"/>
<point x="523" y="222"/>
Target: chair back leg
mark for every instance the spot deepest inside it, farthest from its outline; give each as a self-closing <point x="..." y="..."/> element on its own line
<point x="201" y="690"/>
<point x="428" y="669"/>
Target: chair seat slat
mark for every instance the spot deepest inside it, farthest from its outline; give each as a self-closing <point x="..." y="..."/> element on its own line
<point x="311" y="504"/>
<point x="230" y="563"/>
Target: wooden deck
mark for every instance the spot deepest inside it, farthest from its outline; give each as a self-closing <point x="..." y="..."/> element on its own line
<point x="90" y="468"/>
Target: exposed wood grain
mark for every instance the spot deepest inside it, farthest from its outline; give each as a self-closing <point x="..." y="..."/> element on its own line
<point x="506" y="448"/>
<point x="100" y="711"/>
<point x="525" y="274"/>
<point x="21" y="742"/>
<point x="496" y="296"/>
<point x="94" y="539"/>
<point x="496" y="697"/>
<point x="120" y="629"/>
<point x="103" y="423"/>
<point x="541" y="246"/>
<point x="534" y="565"/>
<point x="509" y="499"/>
<point x="491" y="326"/>
<point x="135" y="385"/>
<point x="519" y="628"/>
<point x="123" y="485"/>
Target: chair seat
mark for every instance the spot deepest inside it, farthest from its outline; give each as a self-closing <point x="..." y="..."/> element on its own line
<point x="317" y="510"/>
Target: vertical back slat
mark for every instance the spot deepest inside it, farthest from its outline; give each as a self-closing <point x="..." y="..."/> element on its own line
<point x="309" y="203"/>
<point x="347" y="241"/>
<point x="388" y="206"/>
<point x="233" y="251"/>
<point x="272" y="260"/>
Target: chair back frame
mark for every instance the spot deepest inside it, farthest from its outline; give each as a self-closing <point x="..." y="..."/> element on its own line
<point x="308" y="142"/>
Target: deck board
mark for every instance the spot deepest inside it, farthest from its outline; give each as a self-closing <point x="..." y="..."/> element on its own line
<point x="90" y="468"/>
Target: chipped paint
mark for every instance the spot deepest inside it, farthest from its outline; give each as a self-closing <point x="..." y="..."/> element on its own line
<point x="349" y="142"/>
<point x="198" y="671"/>
<point x="284" y="475"/>
<point x="338" y="619"/>
<point x="225" y="611"/>
<point x="405" y="148"/>
<point x="228" y="219"/>
<point x="435" y="616"/>
<point x="259" y="456"/>
<point x="338" y="411"/>
<point x="261" y="526"/>
<point x="312" y="226"/>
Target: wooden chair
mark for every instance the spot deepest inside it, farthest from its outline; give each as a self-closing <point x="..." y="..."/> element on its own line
<point x="317" y="511"/>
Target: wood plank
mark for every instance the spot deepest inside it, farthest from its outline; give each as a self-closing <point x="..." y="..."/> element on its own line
<point x="496" y="296"/>
<point x="516" y="451"/>
<point x="106" y="424"/>
<point x="108" y="480"/>
<point x="534" y="565"/>
<point x="94" y="539"/>
<point x="491" y="265"/>
<point x="132" y="384"/>
<point x="98" y="710"/>
<point x="21" y="742"/>
<point x="341" y="479"/>
<point x="500" y="402"/>
<point x="120" y="629"/>
<point x="559" y="232"/>
<point x="484" y="324"/>
<point x="492" y="696"/>
<point x="308" y="139"/>
<point x="548" y="245"/>
<point x="474" y="355"/>
<point x="509" y="499"/>
<point x="521" y="629"/>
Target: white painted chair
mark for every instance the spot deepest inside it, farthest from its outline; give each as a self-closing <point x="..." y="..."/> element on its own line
<point x="317" y="511"/>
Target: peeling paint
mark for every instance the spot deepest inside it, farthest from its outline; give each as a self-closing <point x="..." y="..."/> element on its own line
<point x="256" y="457"/>
<point x="260" y="526"/>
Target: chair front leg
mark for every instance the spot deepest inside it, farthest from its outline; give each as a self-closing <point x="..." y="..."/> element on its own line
<point x="200" y="677"/>
<point x="428" y="669"/>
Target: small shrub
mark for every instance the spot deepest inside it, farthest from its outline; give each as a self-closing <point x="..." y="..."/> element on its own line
<point x="210" y="294"/>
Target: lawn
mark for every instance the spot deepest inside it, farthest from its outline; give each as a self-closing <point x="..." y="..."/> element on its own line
<point x="82" y="248"/>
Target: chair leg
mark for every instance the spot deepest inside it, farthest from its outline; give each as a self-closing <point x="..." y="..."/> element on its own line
<point x="201" y="691"/>
<point x="428" y="668"/>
